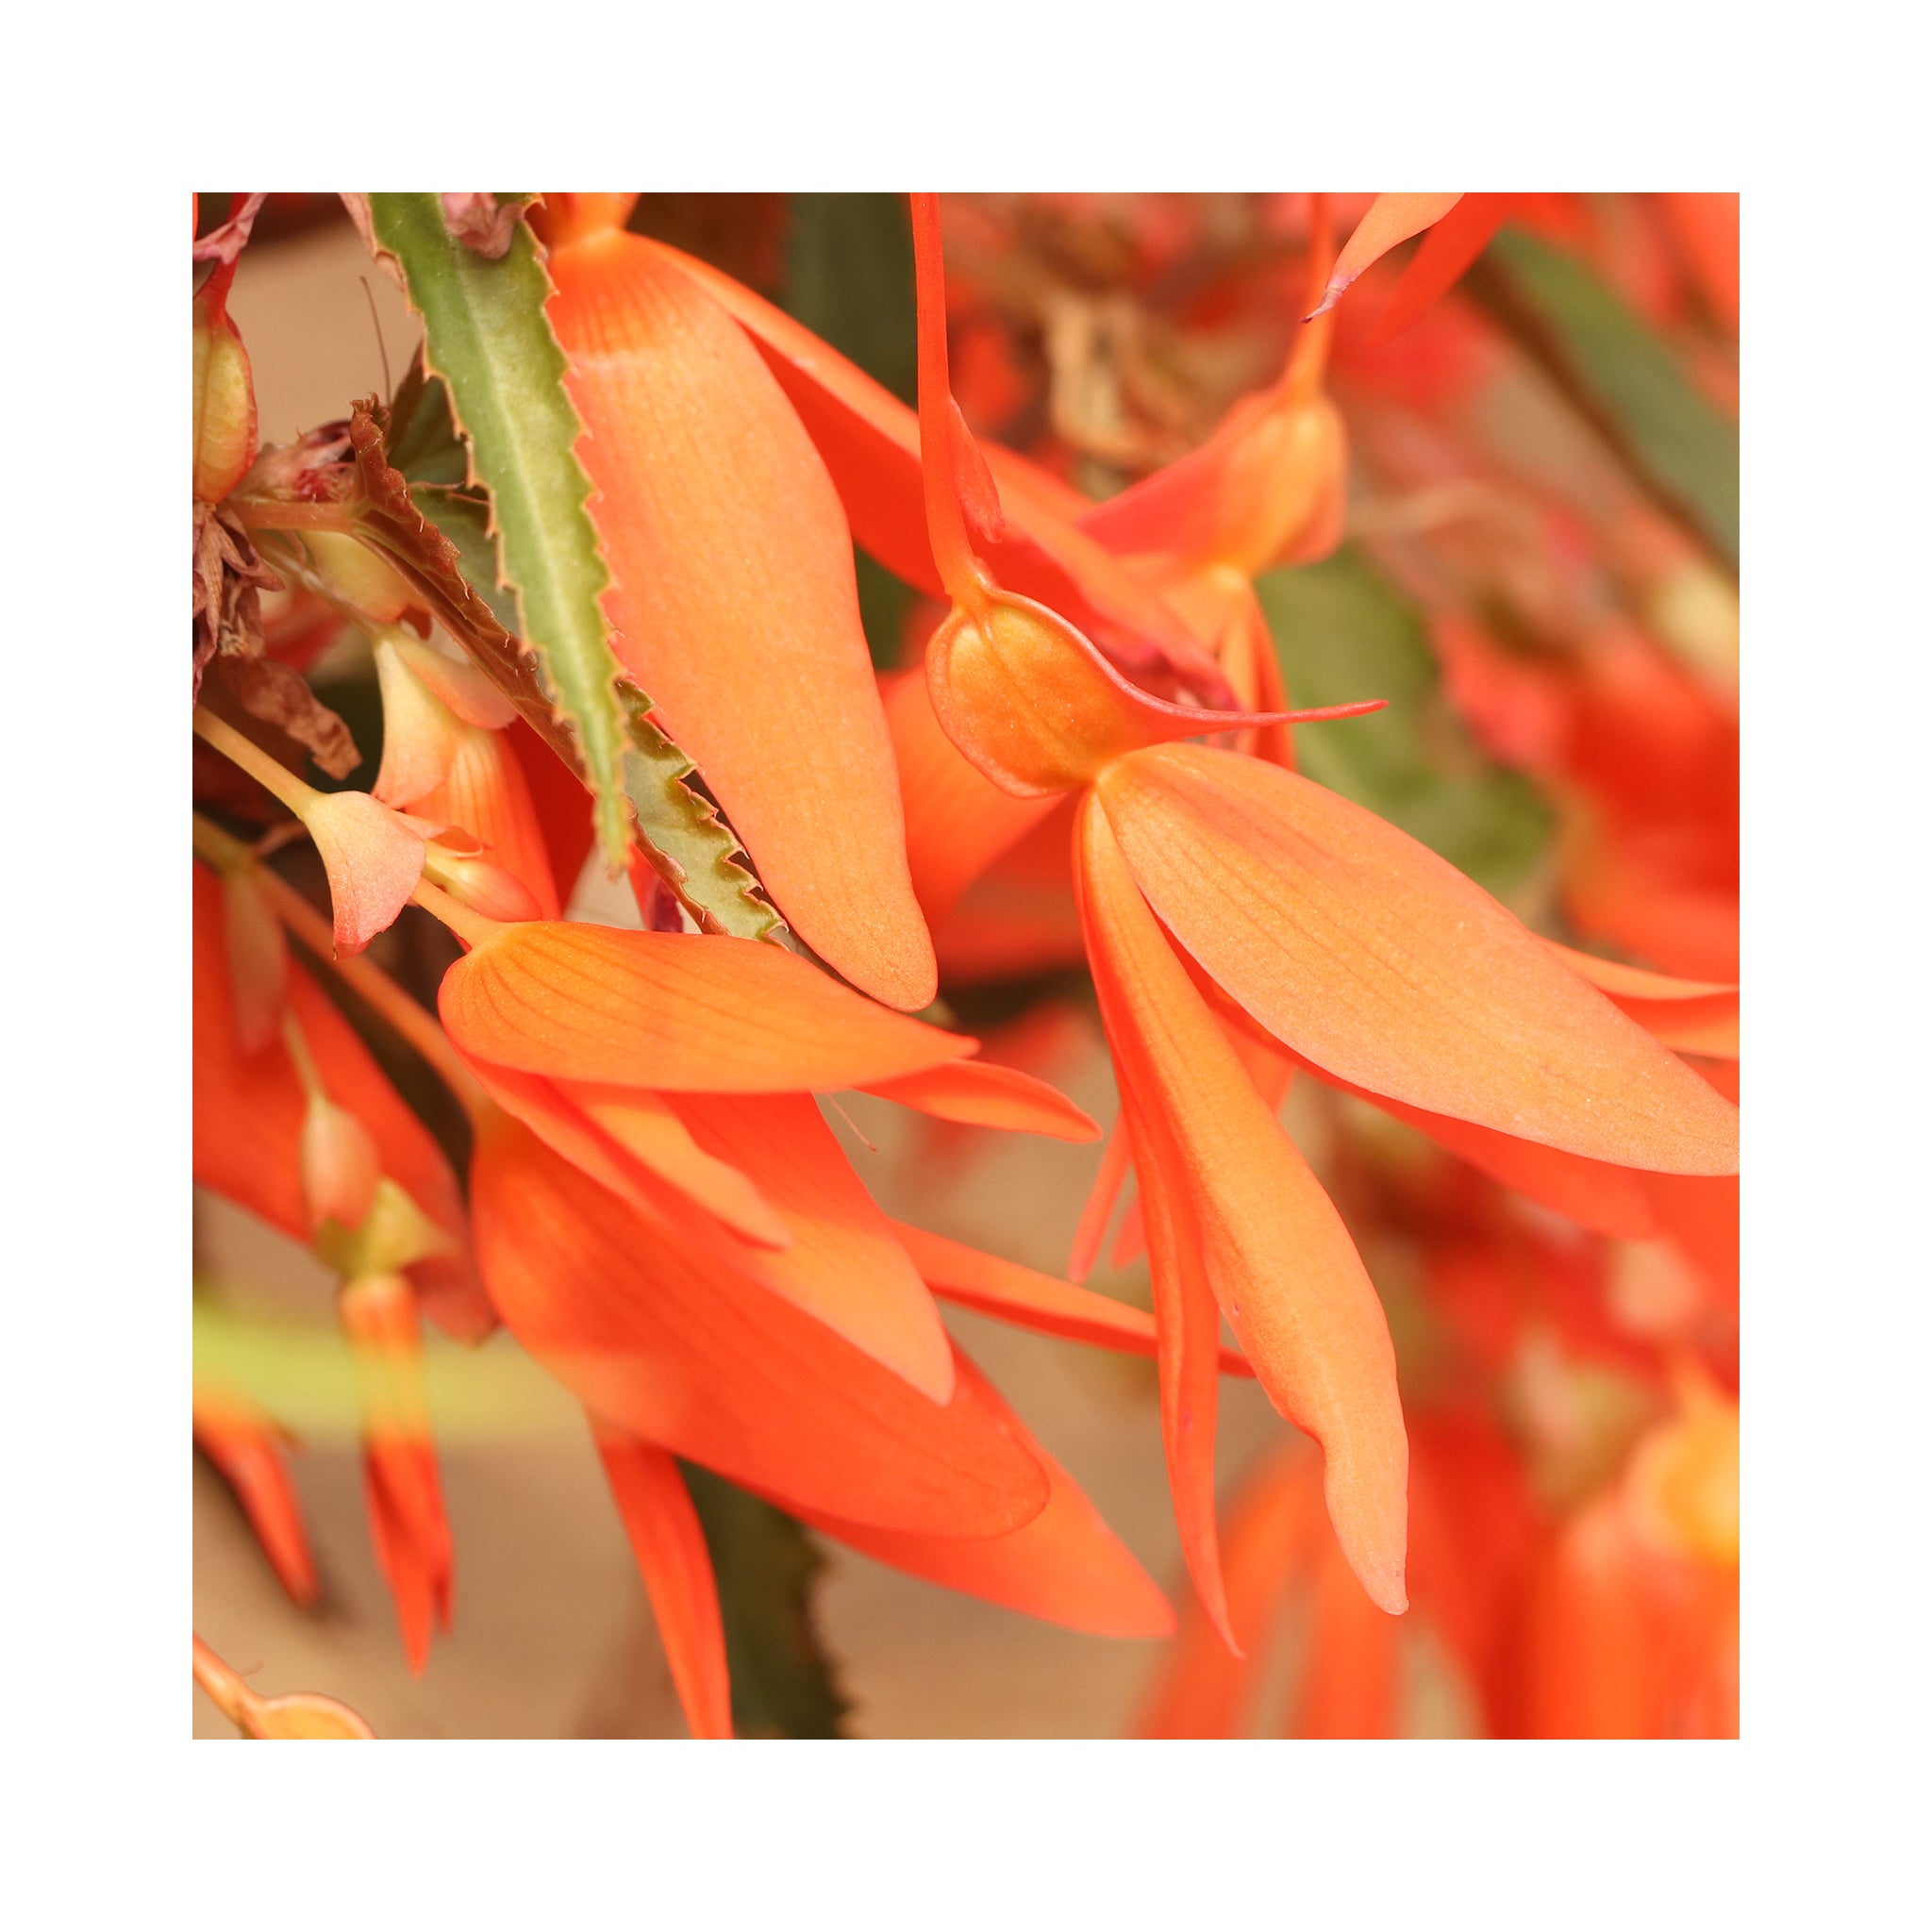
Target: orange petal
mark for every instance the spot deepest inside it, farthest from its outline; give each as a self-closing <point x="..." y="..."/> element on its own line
<point x="1221" y="1182"/>
<point x="1204" y="1689"/>
<point x="1449" y="247"/>
<point x="484" y="793"/>
<point x="981" y="1095"/>
<point x="249" y="1113"/>
<point x="245" y="1445"/>
<point x="1101" y="1201"/>
<point x="958" y="821"/>
<point x="870" y="442"/>
<point x="669" y="1543"/>
<point x="420" y="733"/>
<point x="1009" y="1293"/>
<point x="1066" y="1566"/>
<point x="647" y="1128"/>
<point x="676" y="1011"/>
<point x="1689" y="1015"/>
<point x="843" y="1265"/>
<point x="1380" y="963"/>
<point x="734" y="601"/>
<point x="1391" y="219"/>
<point x="1348" y="1683"/>
<point x="654" y="1334"/>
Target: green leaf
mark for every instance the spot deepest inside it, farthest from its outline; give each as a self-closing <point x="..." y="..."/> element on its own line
<point x="1682" y="449"/>
<point x="691" y="850"/>
<point x="1341" y="633"/>
<point x="486" y="336"/>
<point x="782" y="1684"/>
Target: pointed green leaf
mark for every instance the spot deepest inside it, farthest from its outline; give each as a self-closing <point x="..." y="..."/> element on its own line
<point x="1681" y="447"/>
<point x="1340" y="632"/>
<point x="486" y="336"/>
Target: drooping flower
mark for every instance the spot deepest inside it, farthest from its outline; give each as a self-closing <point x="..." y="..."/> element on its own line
<point x="1203" y="873"/>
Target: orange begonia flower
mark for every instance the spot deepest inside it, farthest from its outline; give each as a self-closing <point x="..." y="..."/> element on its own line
<point x="679" y="1070"/>
<point x="1339" y="938"/>
<point x="733" y="597"/>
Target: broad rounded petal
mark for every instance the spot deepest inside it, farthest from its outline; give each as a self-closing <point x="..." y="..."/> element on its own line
<point x="1689" y="1015"/>
<point x="653" y="1333"/>
<point x="735" y="603"/>
<point x="1066" y="1566"/>
<point x="1011" y="1292"/>
<point x="1380" y="963"/>
<point x="682" y="1012"/>
<point x="1223" y="1188"/>
<point x="979" y="1094"/>
<point x="669" y="1543"/>
<point x="844" y="1264"/>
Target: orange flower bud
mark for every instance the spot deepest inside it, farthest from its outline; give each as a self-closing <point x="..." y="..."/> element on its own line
<point x="340" y="1165"/>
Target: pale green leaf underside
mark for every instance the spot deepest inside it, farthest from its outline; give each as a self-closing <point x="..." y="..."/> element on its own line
<point x="487" y="338"/>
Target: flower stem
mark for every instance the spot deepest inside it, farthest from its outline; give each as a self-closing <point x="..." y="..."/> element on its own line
<point x="266" y="771"/>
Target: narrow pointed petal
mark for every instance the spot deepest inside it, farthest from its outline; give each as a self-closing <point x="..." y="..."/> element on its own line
<point x="669" y="1543"/>
<point x="1450" y="246"/>
<point x="1204" y="1689"/>
<point x="843" y="1265"/>
<point x="653" y="1333"/>
<point x="676" y="1011"/>
<point x="420" y="733"/>
<point x="735" y="603"/>
<point x="1011" y="1292"/>
<point x="1380" y="963"/>
<point x="1066" y="1566"/>
<point x="1269" y="1240"/>
<point x="979" y="1094"/>
<point x="1391" y="219"/>
<point x="1101" y="1202"/>
<point x="246" y="1444"/>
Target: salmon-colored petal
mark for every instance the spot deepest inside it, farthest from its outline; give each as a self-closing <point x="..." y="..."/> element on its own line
<point x="373" y="857"/>
<point x="734" y="600"/>
<point x="1450" y="246"/>
<point x="979" y="1094"/>
<point x="1066" y="1566"/>
<point x="844" y="1265"/>
<point x="958" y="821"/>
<point x="1204" y="1689"/>
<point x="653" y="1333"/>
<point x="1270" y="1245"/>
<point x="1380" y="963"/>
<point x="1391" y="219"/>
<point x="484" y="793"/>
<point x="560" y="802"/>
<point x="1011" y="1292"/>
<point x="420" y="733"/>
<point x="247" y="1446"/>
<point x="669" y="1543"/>
<point x="870" y="442"/>
<point x="681" y="1012"/>
<point x="1688" y="1015"/>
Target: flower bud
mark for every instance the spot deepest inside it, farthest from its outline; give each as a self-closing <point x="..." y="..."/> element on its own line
<point x="341" y="1166"/>
<point x="224" y="419"/>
